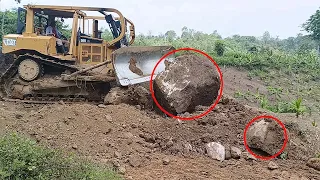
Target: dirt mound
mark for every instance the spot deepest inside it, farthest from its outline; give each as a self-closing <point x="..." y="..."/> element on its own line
<point x="187" y="82"/>
<point x="135" y="140"/>
<point x="133" y="95"/>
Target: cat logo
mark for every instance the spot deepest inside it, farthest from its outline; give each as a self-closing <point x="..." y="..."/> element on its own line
<point x="9" y="42"/>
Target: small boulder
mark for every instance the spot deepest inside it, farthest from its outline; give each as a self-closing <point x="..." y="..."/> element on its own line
<point x="235" y="152"/>
<point x="272" y="165"/>
<point x="102" y="106"/>
<point x="265" y="135"/>
<point x="216" y="151"/>
<point x="116" y="96"/>
<point x="165" y="161"/>
<point x="117" y="154"/>
<point x="249" y="157"/>
<point x="314" y="163"/>
<point x="135" y="161"/>
<point x="122" y="170"/>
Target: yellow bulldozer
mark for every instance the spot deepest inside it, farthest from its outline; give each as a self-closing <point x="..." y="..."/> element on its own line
<point x="39" y="64"/>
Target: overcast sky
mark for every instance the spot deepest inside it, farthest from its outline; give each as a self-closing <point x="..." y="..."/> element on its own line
<point x="228" y="17"/>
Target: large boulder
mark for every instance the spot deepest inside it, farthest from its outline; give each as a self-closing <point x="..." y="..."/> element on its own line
<point x="187" y="82"/>
<point x="265" y="135"/>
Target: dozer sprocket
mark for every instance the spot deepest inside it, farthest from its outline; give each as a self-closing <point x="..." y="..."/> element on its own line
<point x="13" y="88"/>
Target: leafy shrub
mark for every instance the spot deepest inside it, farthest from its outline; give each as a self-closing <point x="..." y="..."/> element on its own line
<point x="22" y="158"/>
<point x="219" y="47"/>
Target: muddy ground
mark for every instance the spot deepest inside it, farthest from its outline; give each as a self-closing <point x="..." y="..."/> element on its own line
<point x="151" y="146"/>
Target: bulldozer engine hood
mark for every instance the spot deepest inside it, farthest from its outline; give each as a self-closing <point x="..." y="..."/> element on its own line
<point x="42" y="44"/>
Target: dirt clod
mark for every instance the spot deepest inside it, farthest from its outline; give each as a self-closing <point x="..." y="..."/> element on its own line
<point x="133" y="95"/>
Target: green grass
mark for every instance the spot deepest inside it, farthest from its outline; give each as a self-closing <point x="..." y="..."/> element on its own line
<point x="21" y="158"/>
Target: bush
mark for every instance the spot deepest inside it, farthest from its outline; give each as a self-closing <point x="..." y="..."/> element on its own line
<point x="22" y="158"/>
<point x="219" y="47"/>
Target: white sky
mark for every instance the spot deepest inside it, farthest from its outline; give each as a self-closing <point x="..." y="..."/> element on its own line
<point x="228" y="17"/>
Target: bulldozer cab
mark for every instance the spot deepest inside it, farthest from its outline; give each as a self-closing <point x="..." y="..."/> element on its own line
<point x="84" y="37"/>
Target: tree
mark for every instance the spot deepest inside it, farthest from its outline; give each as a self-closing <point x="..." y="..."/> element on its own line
<point x="266" y="37"/>
<point x="9" y="22"/>
<point x="219" y="47"/>
<point x="312" y="25"/>
<point x="170" y="35"/>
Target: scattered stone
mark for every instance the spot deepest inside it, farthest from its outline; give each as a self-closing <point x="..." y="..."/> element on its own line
<point x="19" y="116"/>
<point x="128" y="135"/>
<point x="265" y="135"/>
<point x="188" y="147"/>
<point x="74" y="146"/>
<point x="272" y="165"/>
<point x="108" y="131"/>
<point x="117" y="154"/>
<point x="102" y="106"/>
<point x="135" y="161"/>
<point x="108" y="118"/>
<point x="314" y="163"/>
<point x="116" y="96"/>
<point x="148" y="138"/>
<point x="116" y="163"/>
<point x="235" y="152"/>
<point x="138" y="107"/>
<point x="249" y="157"/>
<point x="134" y="126"/>
<point x="215" y="151"/>
<point x="165" y="161"/>
<point x="122" y="170"/>
<point x="61" y="102"/>
<point x="188" y="82"/>
<point x="129" y="178"/>
<point x="228" y="153"/>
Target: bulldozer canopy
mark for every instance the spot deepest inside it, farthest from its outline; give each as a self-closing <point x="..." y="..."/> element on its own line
<point x="55" y="13"/>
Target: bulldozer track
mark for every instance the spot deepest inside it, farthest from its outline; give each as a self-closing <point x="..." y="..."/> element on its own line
<point x="10" y="73"/>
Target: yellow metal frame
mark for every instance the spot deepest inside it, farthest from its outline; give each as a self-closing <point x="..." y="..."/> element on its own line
<point x="79" y="14"/>
<point x="46" y="45"/>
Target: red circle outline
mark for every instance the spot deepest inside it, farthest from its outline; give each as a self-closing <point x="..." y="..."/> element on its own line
<point x="211" y="107"/>
<point x="284" y="134"/>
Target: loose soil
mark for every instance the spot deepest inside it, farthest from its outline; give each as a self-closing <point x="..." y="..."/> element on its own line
<point x="141" y="140"/>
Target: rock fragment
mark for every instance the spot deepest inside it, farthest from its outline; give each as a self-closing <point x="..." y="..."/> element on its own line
<point x="215" y="151"/>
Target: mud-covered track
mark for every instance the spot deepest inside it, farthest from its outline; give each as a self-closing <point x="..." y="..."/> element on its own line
<point x="10" y="83"/>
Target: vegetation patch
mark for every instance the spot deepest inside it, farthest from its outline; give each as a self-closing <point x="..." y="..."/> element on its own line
<point x="22" y="158"/>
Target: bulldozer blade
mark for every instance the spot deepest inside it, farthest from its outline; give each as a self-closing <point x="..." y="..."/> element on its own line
<point x="134" y="65"/>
